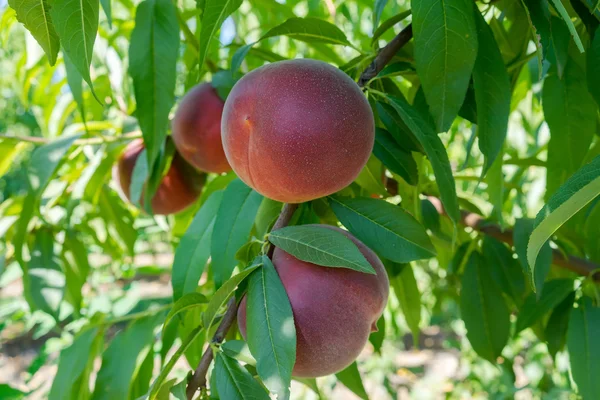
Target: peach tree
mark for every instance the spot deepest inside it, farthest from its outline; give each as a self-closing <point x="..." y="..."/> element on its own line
<point x="228" y="199"/>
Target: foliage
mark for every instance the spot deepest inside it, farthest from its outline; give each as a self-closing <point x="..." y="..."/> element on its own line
<point x="521" y="79"/>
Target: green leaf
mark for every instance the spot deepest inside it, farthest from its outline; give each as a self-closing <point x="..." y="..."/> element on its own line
<point x="107" y="7"/>
<point x="271" y="332"/>
<point x="556" y="329"/>
<point x="35" y="15"/>
<point x="350" y="377"/>
<point x="495" y="188"/>
<point x="9" y="393"/>
<point x="593" y="67"/>
<point x="76" y="23"/>
<point x="537" y="275"/>
<point x="321" y="246"/>
<point x="538" y="14"/>
<point x="395" y="158"/>
<point x="193" y="250"/>
<point x="483" y="310"/>
<point x="370" y="177"/>
<point x="376" y="338"/>
<point x="153" y="52"/>
<point x="310" y="30"/>
<point x="239" y="350"/>
<point x="409" y="297"/>
<point x="571" y="197"/>
<point x="584" y="348"/>
<point x="505" y="270"/>
<point x="9" y="150"/>
<point x="232" y="227"/>
<point x="123" y="357"/>
<point x="45" y="280"/>
<point x="397" y="128"/>
<point x="158" y="382"/>
<point x="187" y="302"/>
<point x="492" y="94"/>
<point x="215" y="13"/>
<point x="388" y="24"/>
<point x="435" y="151"/>
<point x="75" y="81"/>
<point x="238" y="57"/>
<point x="223" y="294"/>
<point x="76" y="267"/>
<point x="71" y="364"/>
<point x="235" y="382"/>
<point x="387" y="229"/>
<point x="555" y="291"/>
<point x="445" y="51"/>
<point x="377" y="11"/>
<point x="565" y="16"/>
<point x="267" y="213"/>
<point x="570" y="112"/>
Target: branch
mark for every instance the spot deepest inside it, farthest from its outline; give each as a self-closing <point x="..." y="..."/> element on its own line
<point x="99" y="139"/>
<point x="478" y="223"/>
<point x="198" y="380"/>
<point x="385" y="55"/>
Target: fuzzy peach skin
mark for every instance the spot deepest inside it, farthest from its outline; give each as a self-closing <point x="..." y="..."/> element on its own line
<point x="197" y="129"/>
<point x="179" y="188"/>
<point x="297" y="130"/>
<point x="335" y="309"/>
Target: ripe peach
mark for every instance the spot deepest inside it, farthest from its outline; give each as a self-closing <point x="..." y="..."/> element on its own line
<point x="297" y="130"/>
<point x="335" y="309"/>
<point x="197" y="129"/>
<point x="179" y="188"/>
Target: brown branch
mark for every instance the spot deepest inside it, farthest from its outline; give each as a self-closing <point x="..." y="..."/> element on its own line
<point x="476" y="222"/>
<point x="385" y="55"/>
<point x="198" y="379"/>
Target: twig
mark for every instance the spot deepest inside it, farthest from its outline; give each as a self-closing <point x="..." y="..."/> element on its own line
<point x="385" y="55"/>
<point x="79" y="142"/>
<point x="478" y="223"/>
<point x="198" y="380"/>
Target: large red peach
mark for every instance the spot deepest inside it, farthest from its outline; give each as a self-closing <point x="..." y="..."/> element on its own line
<point x="335" y="309"/>
<point x="179" y="188"/>
<point x="197" y="129"/>
<point x="297" y="130"/>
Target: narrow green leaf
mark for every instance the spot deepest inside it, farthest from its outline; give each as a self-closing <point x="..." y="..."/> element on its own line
<point x="187" y="302"/>
<point x="238" y="57"/>
<point x="384" y="227"/>
<point x="239" y="350"/>
<point x="558" y="323"/>
<point x="45" y="280"/>
<point x="570" y="112"/>
<point x="388" y="24"/>
<point x="153" y="52"/>
<point x="76" y="267"/>
<point x="107" y="7"/>
<point x="505" y="270"/>
<point x="538" y="14"/>
<point x="193" y="251"/>
<point x="495" y="188"/>
<point x="395" y="158"/>
<point x="223" y="294"/>
<point x="377" y="338"/>
<point x="397" y="128"/>
<point x="538" y="274"/>
<point x="576" y="193"/>
<point x="370" y="177"/>
<point x="435" y="151"/>
<point x="35" y="15"/>
<point x="9" y="150"/>
<point x="71" y="363"/>
<point x="235" y="382"/>
<point x="310" y="30"/>
<point x="9" y="393"/>
<point x="267" y="213"/>
<point x="76" y="23"/>
<point x="555" y="291"/>
<point x="483" y="310"/>
<point x="215" y="13"/>
<point x="271" y="332"/>
<point x="565" y="16"/>
<point x="492" y="94"/>
<point x="158" y="382"/>
<point x="350" y="377"/>
<point x="407" y="292"/>
<point x="232" y="227"/>
<point x="322" y="246"/>
<point x="75" y="81"/>
<point x="123" y="357"/>
<point x="377" y="11"/>
<point x="593" y="67"/>
<point x="445" y="51"/>
<point x="584" y="348"/>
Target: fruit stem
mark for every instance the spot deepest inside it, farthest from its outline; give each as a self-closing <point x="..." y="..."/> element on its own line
<point x="198" y="379"/>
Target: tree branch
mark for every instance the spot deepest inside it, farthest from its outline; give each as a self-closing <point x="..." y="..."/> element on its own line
<point x="385" y="55"/>
<point x="198" y="379"/>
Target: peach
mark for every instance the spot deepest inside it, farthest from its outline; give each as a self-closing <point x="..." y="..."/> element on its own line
<point x="335" y="309"/>
<point x="197" y="129"/>
<point x="297" y="130"/>
<point x="179" y="188"/>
